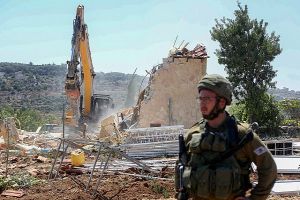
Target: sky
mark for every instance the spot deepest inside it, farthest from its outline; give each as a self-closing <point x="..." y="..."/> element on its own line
<point x="129" y="34"/>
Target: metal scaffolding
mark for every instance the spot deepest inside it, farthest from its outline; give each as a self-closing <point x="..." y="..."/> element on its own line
<point x="103" y="154"/>
<point x="152" y="142"/>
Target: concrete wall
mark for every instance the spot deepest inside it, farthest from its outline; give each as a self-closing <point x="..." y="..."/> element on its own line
<point x="171" y="96"/>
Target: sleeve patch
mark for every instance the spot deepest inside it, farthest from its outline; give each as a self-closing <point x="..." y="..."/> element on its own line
<point x="260" y="150"/>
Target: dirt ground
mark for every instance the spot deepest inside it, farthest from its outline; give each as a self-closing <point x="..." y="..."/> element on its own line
<point x="112" y="188"/>
<point x="115" y="185"/>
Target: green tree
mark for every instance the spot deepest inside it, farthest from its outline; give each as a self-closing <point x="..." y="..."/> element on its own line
<point x="29" y="119"/>
<point x="246" y="50"/>
<point x="6" y="111"/>
<point x="238" y="110"/>
<point x="290" y="109"/>
<point x="269" y="114"/>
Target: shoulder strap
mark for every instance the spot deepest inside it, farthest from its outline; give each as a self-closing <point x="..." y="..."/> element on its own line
<point x="233" y="135"/>
<point x="224" y="155"/>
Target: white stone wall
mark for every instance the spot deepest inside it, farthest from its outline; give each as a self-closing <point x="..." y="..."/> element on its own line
<point x="172" y="93"/>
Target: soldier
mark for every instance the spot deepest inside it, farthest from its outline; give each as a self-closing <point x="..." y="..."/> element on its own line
<point x="208" y="176"/>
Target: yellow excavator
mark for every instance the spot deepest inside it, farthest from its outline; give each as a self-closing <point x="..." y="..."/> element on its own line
<point x="82" y="104"/>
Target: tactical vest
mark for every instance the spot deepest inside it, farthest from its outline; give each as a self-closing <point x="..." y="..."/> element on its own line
<point x="219" y="180"/>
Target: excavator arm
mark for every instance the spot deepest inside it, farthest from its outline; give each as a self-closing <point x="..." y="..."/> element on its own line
<point x="72" y="83"/>
<point x="87" y="74"/>
<point x="82" y="103"/>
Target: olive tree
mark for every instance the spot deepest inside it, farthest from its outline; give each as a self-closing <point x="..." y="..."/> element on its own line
<point x="246" y="50"/>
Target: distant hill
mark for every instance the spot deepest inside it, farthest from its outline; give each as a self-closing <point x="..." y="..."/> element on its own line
<point x="42" y="86"/>
<point x="284" y="93"/>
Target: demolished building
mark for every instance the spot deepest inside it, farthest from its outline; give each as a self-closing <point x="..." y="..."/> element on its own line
<point x="170" y="96"/>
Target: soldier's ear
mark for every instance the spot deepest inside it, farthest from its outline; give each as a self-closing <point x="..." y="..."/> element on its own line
<point x="222" y="103"/>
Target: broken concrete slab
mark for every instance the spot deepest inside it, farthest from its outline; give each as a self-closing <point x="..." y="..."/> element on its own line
<point x="13" y="193"/>
<point x="285" y="164"/>
<point x="290" y="187"/>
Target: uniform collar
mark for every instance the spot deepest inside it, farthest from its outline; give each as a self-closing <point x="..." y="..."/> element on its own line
<point x="220" y="128"/>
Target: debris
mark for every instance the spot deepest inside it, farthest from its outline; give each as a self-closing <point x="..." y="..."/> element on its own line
<point x="285" y="164"/>
<point x="287" y="187"/>
<point x="90" y="147"/>
<point x="8" y="130"/>
<point x="32" y="171"/>
<point x="28" y="149"/>
<point x="42" y="159"/>
<point x="13" y="193"/>
<point x="74" y="171"/>
<point x="182" y="52"/>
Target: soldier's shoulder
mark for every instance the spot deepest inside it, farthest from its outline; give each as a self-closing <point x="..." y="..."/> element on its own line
<point x="242" y="127"/>
<point x="196" y="128"/>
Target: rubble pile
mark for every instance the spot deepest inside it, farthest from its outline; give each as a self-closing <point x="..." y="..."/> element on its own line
<point x="199" y="52"/>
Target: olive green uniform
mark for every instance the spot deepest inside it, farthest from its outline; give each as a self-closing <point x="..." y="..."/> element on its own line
<point x="230" y="177"/>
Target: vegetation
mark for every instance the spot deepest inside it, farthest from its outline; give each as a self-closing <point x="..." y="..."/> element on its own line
<point x="290" y="109"/>
<point x="20" y="180"/>
<point x="29" y="119"/>
<point x="35" y="93"/>
<point x="25" y="77"/>
<point x="246" y="50"/>
<point x="159" y="189"/>
<point x="269" y="114"/>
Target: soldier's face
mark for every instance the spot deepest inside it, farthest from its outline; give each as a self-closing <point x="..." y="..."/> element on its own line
<point x="207" y="100"/>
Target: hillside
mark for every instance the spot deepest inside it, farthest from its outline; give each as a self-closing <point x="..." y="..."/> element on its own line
<point x="42" y="86"/>
<point x="284" y="93"/>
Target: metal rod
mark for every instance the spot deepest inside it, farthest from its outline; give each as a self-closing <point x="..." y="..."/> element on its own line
<point x="53" y="164"/>
<point x="181" y="44"/>
<point x="170" y="111"/>
<point x="146" y="176"/>
<point x="63" y="123"/>
<point x="105" y="167"/>
<point x="62" y="158"/>
<point x="175" y="41"/>
<point x="7" y="148"/>
<point x="142" y="165"/>
<point x="91" y="175"/>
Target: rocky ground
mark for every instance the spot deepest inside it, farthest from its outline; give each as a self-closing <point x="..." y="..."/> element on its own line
<point x="28" y="171"/>
<point x="113" y="185"/>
